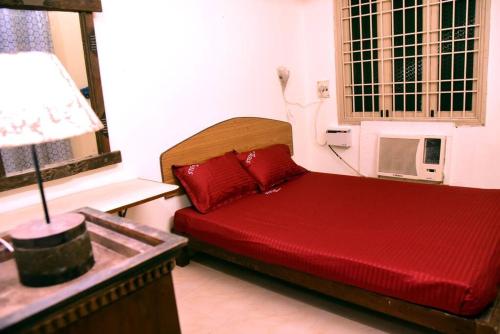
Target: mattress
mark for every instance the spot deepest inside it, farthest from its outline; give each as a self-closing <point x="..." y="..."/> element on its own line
<point x="437" y="246"/>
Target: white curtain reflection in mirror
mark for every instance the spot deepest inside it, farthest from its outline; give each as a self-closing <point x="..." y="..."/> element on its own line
<point x="28" y="30"/>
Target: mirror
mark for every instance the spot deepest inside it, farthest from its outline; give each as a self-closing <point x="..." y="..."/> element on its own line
<point x="68" y="47"/>
<point x="71" y="29"/>
<point x="59" y="33"/>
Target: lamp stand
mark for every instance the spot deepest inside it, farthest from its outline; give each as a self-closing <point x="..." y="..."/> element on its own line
<point x="40" y="183"/>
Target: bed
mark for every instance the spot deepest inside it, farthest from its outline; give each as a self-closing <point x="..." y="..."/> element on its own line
<point x="331" y="233"/>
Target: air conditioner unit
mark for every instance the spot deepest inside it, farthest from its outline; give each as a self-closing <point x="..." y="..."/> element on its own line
<point x="414" y="157"/>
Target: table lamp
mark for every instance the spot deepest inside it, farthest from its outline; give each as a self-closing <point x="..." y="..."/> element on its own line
<point x="39" y="103"/>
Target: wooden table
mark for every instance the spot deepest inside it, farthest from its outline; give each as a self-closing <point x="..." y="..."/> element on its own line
<point x="129" y="289"/>
<point x="114" y="197"/>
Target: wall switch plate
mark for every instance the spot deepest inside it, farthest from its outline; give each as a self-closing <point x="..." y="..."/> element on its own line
<point x="323" y="91"/>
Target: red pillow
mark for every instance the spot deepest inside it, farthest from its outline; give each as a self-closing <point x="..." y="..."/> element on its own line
<point x="270" y="166"/>
<point x="215" y="182"/>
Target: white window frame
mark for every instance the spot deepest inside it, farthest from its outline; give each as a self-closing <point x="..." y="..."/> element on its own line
<point x="431" y="57"/>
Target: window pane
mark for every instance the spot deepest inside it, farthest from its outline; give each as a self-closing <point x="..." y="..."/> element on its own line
<point x="408" y="24"/>
<point x="365" y="55"/>
<point x="457" y="65"/>
<point x="429" y="63"/>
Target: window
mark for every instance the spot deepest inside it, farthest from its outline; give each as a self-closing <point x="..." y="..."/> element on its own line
<point x="412" y="60"/>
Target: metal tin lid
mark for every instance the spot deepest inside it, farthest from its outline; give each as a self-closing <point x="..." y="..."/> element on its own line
<point x="38" y="234"/>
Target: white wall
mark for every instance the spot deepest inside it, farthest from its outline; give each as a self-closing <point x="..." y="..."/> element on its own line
<point x="177" y="67"/>
<point x="172" y="69"/>
<point x="474" y="152"/>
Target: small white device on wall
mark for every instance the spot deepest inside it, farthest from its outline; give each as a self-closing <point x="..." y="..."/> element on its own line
<point x="340" y="137"/>
<point x="412" y="157"/>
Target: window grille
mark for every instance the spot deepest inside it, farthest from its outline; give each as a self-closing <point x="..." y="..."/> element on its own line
<point x="412" y="59"/>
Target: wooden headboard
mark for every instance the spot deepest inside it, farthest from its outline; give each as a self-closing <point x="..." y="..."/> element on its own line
<point x="240" y="134"/>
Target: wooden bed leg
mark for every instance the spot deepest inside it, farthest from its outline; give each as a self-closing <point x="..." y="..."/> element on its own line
<point x="183" y="258"/>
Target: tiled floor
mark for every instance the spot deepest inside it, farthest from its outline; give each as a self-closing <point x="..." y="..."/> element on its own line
<point x="217" y="297"/>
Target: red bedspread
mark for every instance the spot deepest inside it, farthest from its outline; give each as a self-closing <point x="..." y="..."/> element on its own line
<point x="437" y="246"/>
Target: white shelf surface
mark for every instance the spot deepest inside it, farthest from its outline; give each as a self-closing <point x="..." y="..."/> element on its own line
<point x="109" y="198"/>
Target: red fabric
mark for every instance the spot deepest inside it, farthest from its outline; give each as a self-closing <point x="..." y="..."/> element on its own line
<point x="215" y="182"/>
<point x="437" y="246"/>
<point x="270" y="166"/>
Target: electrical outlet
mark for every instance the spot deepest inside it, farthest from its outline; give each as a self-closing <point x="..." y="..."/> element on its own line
<point x="323" y="91"/>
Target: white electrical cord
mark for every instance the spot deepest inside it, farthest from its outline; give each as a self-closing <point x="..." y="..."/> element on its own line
<point x="316" y="116"/>
<point x="289" y="114"/>
<point x="303" y="106"/>
<point x="283" y="75"/>
<point x="345" y="162"/>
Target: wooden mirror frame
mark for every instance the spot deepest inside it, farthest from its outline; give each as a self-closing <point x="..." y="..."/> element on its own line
<point x="104" y="157"/>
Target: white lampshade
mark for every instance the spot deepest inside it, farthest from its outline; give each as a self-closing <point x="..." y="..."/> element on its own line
<point x="39" y="102"/>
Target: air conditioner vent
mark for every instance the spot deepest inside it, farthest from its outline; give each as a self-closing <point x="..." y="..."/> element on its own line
<point x="418" y="157"/>
<point x="398" y="155"/>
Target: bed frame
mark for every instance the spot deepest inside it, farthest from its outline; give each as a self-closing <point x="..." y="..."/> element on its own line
<point x="246" y="133"/>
